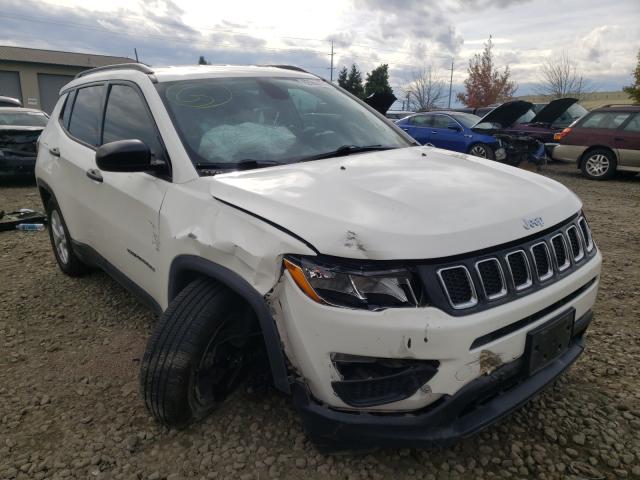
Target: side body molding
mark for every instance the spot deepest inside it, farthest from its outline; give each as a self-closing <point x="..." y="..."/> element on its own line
<point x="185" y="267"/>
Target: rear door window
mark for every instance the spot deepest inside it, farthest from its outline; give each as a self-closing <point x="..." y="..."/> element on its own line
<point x="441" y="121"/>
<point x="634" y="124"/>
<point x="607" y="120"/>
<point x="126" y="117"/>
<point x="85" y="117"/>
<point x="422" y="120"/>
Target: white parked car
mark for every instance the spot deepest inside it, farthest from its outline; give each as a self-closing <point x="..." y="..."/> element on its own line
<point x="402" y="294"/>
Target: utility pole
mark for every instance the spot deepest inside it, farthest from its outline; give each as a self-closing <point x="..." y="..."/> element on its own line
<point x="450" y="82"/>
<point x="408" y="97"/>
<point x="331" y="68"/>
<point x="135" y="50"/>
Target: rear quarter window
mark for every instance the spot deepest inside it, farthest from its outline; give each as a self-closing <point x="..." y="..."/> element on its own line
<point x="607" y="120"/>
<point x="85" y="116"/>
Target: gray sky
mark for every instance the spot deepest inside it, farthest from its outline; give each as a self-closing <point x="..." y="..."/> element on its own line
<point x="602" y="37"/>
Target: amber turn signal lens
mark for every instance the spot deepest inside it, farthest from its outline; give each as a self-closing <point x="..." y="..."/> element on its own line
<point x="298" y="276"/>
<point x="560" y="135"/>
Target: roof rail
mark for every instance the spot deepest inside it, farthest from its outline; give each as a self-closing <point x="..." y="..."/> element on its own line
<point x="287" y="67"/>
<point x="140" y="67"/>
<point x="620" y="105"/>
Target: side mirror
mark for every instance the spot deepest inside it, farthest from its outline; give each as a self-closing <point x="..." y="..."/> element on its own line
<point x="124" y="156"/>
<point x="454" y="126"/>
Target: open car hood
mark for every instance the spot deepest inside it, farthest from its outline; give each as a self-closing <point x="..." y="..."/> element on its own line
<point x="552" y="110"/>
<point x="380" y="101"/>
<point x="506" y="114"/>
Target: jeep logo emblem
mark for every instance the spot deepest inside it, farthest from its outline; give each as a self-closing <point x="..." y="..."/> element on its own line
<point x="530" y="223"/>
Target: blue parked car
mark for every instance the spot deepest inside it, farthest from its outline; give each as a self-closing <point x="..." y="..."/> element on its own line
<point x="486" y="137"/>
<point x="452" y="131"/>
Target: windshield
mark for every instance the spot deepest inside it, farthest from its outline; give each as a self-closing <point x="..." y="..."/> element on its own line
<point x="23" y="119"/>
<point x="572" y="113"/>
<point x="527" y="116"/>
<point x="225" y="121"/>
<point x="467" y="120"/>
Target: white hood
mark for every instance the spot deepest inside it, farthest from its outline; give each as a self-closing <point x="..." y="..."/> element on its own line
<point x="409" y="203"/>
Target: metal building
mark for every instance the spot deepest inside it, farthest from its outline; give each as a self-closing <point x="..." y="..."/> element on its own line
<point x="35" y="76"/>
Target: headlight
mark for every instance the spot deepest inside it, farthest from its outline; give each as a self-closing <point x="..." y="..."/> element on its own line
<point x="355" y="287"/>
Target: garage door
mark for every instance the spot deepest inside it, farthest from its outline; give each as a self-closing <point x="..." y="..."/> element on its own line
<point x="10" y="85"/>
<point x="50" y="86"/>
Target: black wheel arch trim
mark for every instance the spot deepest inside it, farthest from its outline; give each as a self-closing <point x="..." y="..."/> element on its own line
<point x="182" y="269"/>
<point x="42" y="185"/>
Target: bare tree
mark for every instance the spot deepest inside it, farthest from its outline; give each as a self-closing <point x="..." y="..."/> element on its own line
<point x="425" y="90"/>
<point x="560" y="78"/>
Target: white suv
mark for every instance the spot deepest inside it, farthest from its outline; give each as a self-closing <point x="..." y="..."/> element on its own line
<point x="402" y="294"/>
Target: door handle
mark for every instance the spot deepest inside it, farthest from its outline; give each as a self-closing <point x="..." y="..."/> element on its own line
<point x="95" y="175"/>
<point x="433" y="131"/>
<point x="55" y="151"/>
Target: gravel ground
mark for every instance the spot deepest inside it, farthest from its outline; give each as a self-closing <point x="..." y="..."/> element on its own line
<point x="70" y="407"/>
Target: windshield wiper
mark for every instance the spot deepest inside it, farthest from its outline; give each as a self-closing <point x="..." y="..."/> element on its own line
<point x="347" y="150"/>
<point x="247" y="164"/>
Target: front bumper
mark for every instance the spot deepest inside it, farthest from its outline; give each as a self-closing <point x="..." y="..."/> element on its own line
<point x="464" y="347"/>
<point x="568" y="153"/>
<point x="476" y="406"/>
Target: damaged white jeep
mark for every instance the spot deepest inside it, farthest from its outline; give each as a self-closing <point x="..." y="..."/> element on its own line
<point x="403" y="295"/>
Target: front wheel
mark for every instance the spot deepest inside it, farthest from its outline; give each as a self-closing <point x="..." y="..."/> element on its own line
<point x="599" y="164"/>
<point x="482" y="150"/>
<point x="197" y="352"/>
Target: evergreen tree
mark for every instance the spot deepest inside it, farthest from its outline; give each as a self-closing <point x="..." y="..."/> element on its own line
<point x="203" y="61"/>
<point x="634" y="90"/>
<point x="354" y="82"/>
<point x="342" y="77"/>
<point x="378" y="81"/>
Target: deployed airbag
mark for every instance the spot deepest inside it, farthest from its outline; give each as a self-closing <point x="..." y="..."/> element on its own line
<point x="246" y="140"/>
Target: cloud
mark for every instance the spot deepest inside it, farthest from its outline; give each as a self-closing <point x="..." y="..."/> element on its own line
<point x="592" y="42"/>
<point x="417" y="23"/>
<point x="155" y="28"/>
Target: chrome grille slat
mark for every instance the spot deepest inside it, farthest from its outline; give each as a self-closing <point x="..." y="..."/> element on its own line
<point x="483" y="268"/>
<point x="455" y="287"/>
<point x="542" y="272"/>
<point x="560" y="252"/>
<point x="516" y="261"/>
<point x="586" y="234"/>
<point x="575" y="243"/>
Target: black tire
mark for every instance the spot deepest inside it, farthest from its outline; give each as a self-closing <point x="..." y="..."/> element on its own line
<point x="179" y="366"/>
<point x="482" y="150"/>
<point x="599" y="164"/>
<point x="70" y="264"/>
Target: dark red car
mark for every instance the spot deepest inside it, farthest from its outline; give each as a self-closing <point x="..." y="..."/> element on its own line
<point x="602" y="142"/>
<point x="543" y="121"/>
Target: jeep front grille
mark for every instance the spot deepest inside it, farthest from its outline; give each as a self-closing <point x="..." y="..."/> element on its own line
<point x="476" y="282"/>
